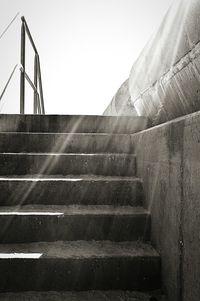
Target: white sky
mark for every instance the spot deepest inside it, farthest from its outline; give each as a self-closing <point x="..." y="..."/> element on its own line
<point x="86" y="47"/>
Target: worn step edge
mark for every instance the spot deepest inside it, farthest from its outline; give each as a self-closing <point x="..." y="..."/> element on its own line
<point x="60" y="210"/>
<point x="73" y="178"/>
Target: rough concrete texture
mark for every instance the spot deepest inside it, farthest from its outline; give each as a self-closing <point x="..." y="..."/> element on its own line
<point x="168" y="160"/>
<point x="82" y="296"/>
<point x="121" y="103"/>
<point x="64" y="143"/>
<point x="51" y="223"/>
<point x="67" y="164"/>
<point x="71" y="124"/>
<point x="164" y="81"/>
<point x="80" y="265"/>
<point x="85" y="190"/>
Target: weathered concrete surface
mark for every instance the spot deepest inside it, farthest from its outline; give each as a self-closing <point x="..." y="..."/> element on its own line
<point x="164" y="81"/>
<point x="168" y="160"/>
<point x="64" y="143"/>
<point x="121" y="103"/>
<point x="68" y="223"/>
<point x="67" y="164"/>
<point x="81" y="296"/>
<point x="80" y="265"/>
<point x="84" y="190"/>
<point x="72" y="124"/>
<point x="191" y="210"/>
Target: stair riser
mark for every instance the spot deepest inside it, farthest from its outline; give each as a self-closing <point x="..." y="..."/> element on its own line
<point x="80" y="274"/>
<point x="71" y="124"/>
<point x="71" y="192"/>
<point x="113" y="165"/>
<point x="64" y="143"/>
<point x="23" y="229"/>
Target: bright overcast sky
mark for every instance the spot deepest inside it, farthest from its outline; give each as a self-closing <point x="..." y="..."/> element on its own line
<point x="86" y="47"/>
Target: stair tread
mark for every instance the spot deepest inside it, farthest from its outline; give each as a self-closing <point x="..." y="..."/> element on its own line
<point x="60" y="210"/>
<point x="74" y="115"/>
<point x="80" y="296"/>
<point x="79" y="250"/>
<point x="66" y="134"/>
<point x="84" y="177"/>
<point x="70" y="154"/>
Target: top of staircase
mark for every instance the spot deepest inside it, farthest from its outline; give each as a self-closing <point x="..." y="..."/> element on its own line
<point x="72" y="123"/>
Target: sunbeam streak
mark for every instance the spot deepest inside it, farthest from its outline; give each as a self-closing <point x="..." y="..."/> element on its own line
<point x="20" y="255"/>
<point x="21" y="213"/>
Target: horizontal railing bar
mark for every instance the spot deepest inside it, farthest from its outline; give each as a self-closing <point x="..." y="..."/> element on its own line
<point x="4" y="90"/>
<point x="29" y="34"/>
<point x="34" y="88"/>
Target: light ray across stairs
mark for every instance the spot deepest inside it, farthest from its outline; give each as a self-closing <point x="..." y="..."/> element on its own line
<point x="72" y="222"/>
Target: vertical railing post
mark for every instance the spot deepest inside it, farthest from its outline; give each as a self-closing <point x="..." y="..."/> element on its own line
<point x="40" y="86"/>
<point x="35" y="105"/>
<point x="38" y="99"/>
<point x="22" y="76"/>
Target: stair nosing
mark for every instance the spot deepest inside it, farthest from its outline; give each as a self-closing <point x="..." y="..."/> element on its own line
<point x="73" y="210"/>
<point x="68" y="154"/>
<point x="67" y="178"/>
<point x="67" y="133"/>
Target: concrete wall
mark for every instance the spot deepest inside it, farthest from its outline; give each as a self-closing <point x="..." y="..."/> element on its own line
<point x="164" y="82"/>
<point x="121" y="103"/>
<point x="168" y="160"/>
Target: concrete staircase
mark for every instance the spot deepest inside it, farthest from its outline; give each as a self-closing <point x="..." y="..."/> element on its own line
<point x="71" y="215"/>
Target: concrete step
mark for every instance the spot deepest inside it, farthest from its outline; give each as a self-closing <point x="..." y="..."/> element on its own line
<point x="52" y="223"/>
<point x="82" y="296"/>
<point x="79" y="266"/>
<point x="85" y="190"/>
<point x="66" y="164"/>
<point x="72" y="124"/>
<point x="64" y="143"/>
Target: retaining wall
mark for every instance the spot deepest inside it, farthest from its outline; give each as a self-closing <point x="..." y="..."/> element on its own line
<point x="168" y="160"/>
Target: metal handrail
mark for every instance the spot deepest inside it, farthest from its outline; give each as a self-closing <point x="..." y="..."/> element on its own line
<point x="38" y="103"/>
